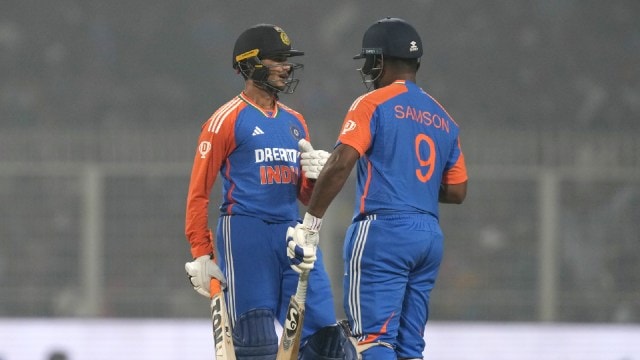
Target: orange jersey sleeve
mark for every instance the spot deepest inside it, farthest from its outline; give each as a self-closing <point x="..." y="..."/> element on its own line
<point x="216" y="142"/>
<point x="306" y="188"/>
<point x="457" y="174"/>
<point x="306" y="185"/>
<point x="356" y="131"/>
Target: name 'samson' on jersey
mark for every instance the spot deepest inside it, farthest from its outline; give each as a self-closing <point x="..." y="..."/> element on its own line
<point x="421" y="116"/>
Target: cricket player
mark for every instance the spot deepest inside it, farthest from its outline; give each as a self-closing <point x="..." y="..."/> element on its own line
<point x="254" y="142"/>
<point x="407" y="152"/>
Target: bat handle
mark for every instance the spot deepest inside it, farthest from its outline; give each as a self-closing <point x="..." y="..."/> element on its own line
<point x="215" y="286"/>
<point x="301" y="291"/>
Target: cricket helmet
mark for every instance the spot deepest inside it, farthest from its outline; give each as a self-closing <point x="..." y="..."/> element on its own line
<point x="387" y="38"/>
<point x="393" y="37"/>
<point x="263" y="41"/>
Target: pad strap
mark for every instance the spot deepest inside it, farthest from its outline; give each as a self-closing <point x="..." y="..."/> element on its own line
<point x="367" y="346"/>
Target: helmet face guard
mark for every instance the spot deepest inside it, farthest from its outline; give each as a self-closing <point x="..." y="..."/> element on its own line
<point x="265" y="41"/>
<point x="254" y="69"/>
<point x="371" y="70"/>
<point x="291" y="83"/>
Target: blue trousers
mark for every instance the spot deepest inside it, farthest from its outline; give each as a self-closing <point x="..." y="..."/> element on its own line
<point x="253" y="256"/>
<point x="391" y="265"/>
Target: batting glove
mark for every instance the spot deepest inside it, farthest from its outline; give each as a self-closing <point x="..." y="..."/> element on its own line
<point x="200" y="272"/>
<point x="312" y="161"/>
<point x="302" y="242"/>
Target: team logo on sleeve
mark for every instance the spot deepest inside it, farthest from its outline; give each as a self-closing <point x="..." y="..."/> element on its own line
<point x="295" y="132"/>
<point x="204" y="148"/>
<point x="348" y="126"/>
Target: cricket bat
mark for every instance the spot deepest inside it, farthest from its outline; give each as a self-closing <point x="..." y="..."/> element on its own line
<point x="221" y="327"/>
<point x="292" y="329"/>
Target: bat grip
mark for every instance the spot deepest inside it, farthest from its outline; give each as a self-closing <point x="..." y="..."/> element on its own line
<point x="301" y="291"/>
<point x="215" y="286"/>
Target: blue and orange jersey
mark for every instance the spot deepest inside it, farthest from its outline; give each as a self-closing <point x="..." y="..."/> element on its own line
<point x="408" y="145"/>
<point x="256" y="154"/>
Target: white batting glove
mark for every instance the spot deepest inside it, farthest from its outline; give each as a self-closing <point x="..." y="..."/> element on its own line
<point x="312" y="161"/>
<point x="302" y="242"/>
<point x="200" y="272"/>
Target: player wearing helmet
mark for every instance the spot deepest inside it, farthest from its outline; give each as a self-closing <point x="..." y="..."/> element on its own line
<point x="392" y="39"/>
<point x="254" y="142"/>
<point x="260" y="55"/>
<point x="408" y="157"/>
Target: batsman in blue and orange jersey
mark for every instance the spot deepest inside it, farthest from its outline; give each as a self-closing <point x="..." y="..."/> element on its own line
<point x="254" y="143"/>
<point x="407" y="152"/>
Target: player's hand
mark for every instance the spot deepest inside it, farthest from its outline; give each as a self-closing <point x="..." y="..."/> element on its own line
<point x="302" y="242"/>
<point x="312" y="161"/>
<point x="200" y="272"/>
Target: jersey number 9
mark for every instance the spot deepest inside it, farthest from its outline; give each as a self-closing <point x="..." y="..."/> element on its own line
<point x="428" y="164"/>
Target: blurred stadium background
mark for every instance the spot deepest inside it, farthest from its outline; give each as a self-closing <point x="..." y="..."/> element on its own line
<point x="101" y="103"/>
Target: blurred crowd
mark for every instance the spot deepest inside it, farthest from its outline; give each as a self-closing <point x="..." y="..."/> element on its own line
<point x="118" y="64"/>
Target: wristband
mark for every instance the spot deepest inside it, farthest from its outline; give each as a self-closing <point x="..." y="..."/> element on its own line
<point x="311" y="222"/>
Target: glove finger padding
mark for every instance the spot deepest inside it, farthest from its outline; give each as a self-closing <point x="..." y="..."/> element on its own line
<point x="304" y="145"/>
<point x="301" y="257"/>
<point x="312" y="161"/>
<point x="299" y="253"/>
<point x="200" y="272"/>
<point x="315" y="157"/>
<point x="196" y="280"/>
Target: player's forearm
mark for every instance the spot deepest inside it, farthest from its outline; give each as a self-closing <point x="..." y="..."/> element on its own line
<point x="331" y="180"/>
<point x="452" y="193"/>
<point x="323" y="195"/>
